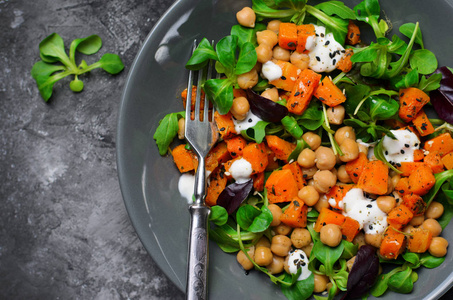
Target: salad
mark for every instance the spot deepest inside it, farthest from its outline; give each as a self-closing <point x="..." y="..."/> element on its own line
<point x="329" y="175"/>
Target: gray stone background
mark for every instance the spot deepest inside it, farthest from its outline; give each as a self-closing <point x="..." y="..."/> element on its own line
<point x="64" y="230"/>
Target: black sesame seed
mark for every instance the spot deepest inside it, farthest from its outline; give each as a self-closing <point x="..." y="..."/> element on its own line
<point x="406" y="145"/>
<point x="250" y="120"/>
<point x="327" y="43"/>
<point x="334" y="62"/>
<point x="318" y="58"/>
<point x="402" y="151"/>
<point x="369" y="206"/>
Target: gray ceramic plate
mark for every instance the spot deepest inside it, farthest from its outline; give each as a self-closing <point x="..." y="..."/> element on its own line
<point x="149" y="182"/>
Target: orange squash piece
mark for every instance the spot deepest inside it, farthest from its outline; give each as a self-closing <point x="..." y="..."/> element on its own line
<point x="353" y="36"/>
<point x="350" y="228"/>
<point x="423" y="124"/>
<point x="415" y="203"/>
<point x="441" y="144"/>
<point x="217" y="156"/>
<point x="287" y="36"/>
<point x="217" y="184"/>
<point x="305" y="32"/>
<point x="408" y="167"/>
<point x="434" y="161"/>
<point x="281" y="187"/>
<point x="193" y="99"/>
<point x="236" y="145"/>
<point x="392" y="244"/>
<point x="258" y="181"/>
<point x="297" y="173"/>
<point x="289" y="76"/>
<point x="345" y="63"/>
<point x="355" y="167"/>
<point x="447" y="161"/>
<point x="399" y="216"/>
<point x="327" y="216"/>
<point x="419" y="240"/>
<point x="256" y="155"/>
<point x="225" y="125"/>
<point x="295" y="215"/>
<point x="338" y="192"/>
<point x="374" y="178"/>
<point x="411" y="102"/>
<point x="418" y="155"/>
<point x="281" y="148"/>
<point x="421" y="180"/>
<point x="183" y="158"/>
<point x="302" y="92"/>
<point x="328" y="93"/>
<point x="402" y="187"/>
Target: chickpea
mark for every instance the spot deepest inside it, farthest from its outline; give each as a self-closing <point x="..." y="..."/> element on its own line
<point x="280" y="53"/>
<point x="300" y="237"/>
<point x="307" y="249"/>
<point x="274" y="25"/>
<point x="386" y="203"/>
<point x="311" y="182"/>
<point x="433" y="226"/>
<point x="350" y="263"/>
<point x="309" y="195"/>
<point x="344" y="132"/>
<point x="263" y="256"/>
<point x="322" y="202"/>
<point x="271" y="94"/>
<point x="248" y="80"/>
<point x="374" y="240"/>
<point x="246" y="17"/>
<point x="417" y="221"/>
<point x="282" y="229"/>
<point x="306" y="158"/>
<point x="335" y="114"/>
<point x="312" y="139"/>
<point x="277" y="265"/>
<point x="395" y="180"/>
<point x="331" y="235"/>
<point x="334" y="172"/>
<point x="244" y="261"/>
<point x="325" y="158"/>
<point x="240" y="108"/>
<point x="342" y="175"/>
<point x="267" y="37"/>
<point x="181" y="128"/>
<point x="321" y="282"/>
<point x="407" y="229"/>
<point x="363" y="148"/>
<point x="434" y="211"/>
<point x="280" y="245"/>
<point x="324" y="180"/>
<point x="264" y="53"/>
<point x="300" y="60"/>
<point x="276" y="213"/>
<point x="359" y="239"/>
<point x="350" y="150"/>
<point x="263" y="242"/>
<point x="438" y="247"/>
<point x="308" y="173"/>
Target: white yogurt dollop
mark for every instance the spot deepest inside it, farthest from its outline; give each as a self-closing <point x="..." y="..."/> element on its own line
<point x="186" y="186"/>
<point x="271" y="71"/>
<point x="249" y="121"/>
<point x="326" y="52"/>
<point x="402" y="149"/>
<point x="241" y="170"/>
<point x="365" y="211"/>
<point x="298" y="259"/>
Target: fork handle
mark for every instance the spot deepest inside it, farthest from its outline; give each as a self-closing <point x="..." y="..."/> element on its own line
<point x="196" y="287"/>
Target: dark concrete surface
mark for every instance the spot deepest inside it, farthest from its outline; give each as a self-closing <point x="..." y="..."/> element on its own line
<point x="64" y="230"/>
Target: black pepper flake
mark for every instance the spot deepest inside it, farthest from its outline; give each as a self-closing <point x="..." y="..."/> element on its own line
<point x="404" y="103"/>
<point x="321" y="99"/>
<point x="222" y="129"/>
<point x="418" y="100"/>
<point x="296" y="94"/>
<point x="351" y="35"/>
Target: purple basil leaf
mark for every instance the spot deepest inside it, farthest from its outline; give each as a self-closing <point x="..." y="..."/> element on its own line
<point x="234" y="194"/>
<point x="442" y="98"/>
<point x="264" y="108"/>
<point x="363" y="273"/>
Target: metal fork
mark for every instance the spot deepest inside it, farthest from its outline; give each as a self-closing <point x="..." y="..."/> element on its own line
<point x="201" y="135"/>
